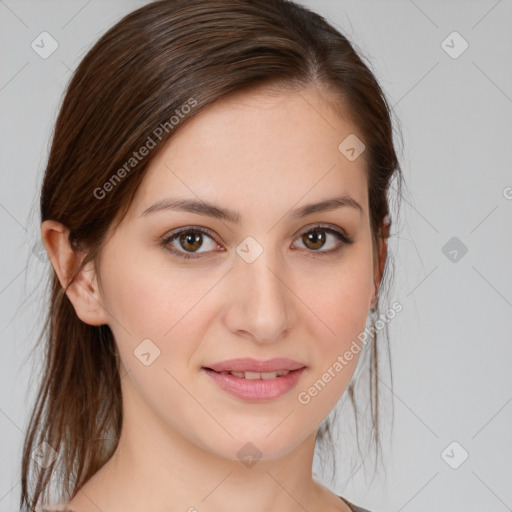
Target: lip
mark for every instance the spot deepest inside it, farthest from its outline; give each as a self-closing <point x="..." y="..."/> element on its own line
<point x="256" y="390"/>
<point x="247" y="364"/>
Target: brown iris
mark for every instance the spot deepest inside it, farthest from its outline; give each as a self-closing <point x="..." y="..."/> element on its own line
<point x="192" y="239"/>
<point x="316" y="237"/>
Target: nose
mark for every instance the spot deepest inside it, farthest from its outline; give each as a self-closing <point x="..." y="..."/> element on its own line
<point x="260" y="301"/>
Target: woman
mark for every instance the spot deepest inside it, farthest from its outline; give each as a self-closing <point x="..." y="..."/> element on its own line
<point x="215" y="212"/>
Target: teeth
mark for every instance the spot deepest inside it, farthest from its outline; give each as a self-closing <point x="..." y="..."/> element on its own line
<point x="256" y="375"/>
<point x="237" y="374"/>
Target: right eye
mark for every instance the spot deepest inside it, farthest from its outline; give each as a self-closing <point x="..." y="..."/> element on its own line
<point x="188" y="239"/>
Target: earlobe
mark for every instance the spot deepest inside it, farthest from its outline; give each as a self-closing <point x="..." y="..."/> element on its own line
<point x="83" y="292"/>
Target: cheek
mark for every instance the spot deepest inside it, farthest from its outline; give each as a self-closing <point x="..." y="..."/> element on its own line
<point x="335" y="355"/>
<point x="162" y="314"/>
<point x="154" y="299"/>
<point x="339" y="311"/>
<point x="341" y="304"/>
<point x="339" y="297"/>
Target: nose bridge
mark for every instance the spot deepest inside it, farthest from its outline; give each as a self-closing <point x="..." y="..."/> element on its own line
<point x="262" y="298"/>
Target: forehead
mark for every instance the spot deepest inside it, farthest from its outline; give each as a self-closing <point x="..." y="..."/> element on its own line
<point x="265" y="149"/>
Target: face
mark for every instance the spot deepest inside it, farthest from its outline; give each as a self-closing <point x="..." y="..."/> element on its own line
<point x="273" y="284"/>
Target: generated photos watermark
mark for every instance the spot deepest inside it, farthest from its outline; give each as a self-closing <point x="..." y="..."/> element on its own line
<point x="145" y="149"/>
<point x="304" y="397"/>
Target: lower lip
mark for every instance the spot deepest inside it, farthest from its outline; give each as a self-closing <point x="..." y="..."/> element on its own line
<point x="256" y="390"/>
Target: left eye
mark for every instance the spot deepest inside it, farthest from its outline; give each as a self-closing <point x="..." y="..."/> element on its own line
<point x="191" y="239"/>
<point x="317" y="238"/>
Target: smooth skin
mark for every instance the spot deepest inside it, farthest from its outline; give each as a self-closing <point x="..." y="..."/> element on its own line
<point x="262" y="154"/>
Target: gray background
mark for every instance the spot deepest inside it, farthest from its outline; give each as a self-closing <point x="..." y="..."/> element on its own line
<point x="451" y="344"/>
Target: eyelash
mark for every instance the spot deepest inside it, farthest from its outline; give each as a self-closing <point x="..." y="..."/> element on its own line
<point x="343" y="240"/>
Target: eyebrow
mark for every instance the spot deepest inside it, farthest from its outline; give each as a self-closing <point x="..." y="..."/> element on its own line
<point x="218" y="212"/>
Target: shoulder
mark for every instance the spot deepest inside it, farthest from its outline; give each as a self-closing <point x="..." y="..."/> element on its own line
<point x="353" y="507"/>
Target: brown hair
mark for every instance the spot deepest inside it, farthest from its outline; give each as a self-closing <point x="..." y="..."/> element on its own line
<point x="136" y="78"/>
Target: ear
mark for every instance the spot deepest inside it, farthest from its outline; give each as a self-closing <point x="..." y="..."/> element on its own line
<point x="380" y="261"/>
<point x="83" y="292"/>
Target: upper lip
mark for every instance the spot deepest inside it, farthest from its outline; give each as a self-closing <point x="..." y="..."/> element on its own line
<point x="247" y="364"/>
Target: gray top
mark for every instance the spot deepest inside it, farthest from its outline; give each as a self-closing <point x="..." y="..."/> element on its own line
<point x="353" y="507"/>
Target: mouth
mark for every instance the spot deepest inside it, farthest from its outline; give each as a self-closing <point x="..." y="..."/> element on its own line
<point x="255" y="375"/>
<point x="252" y="386"/>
